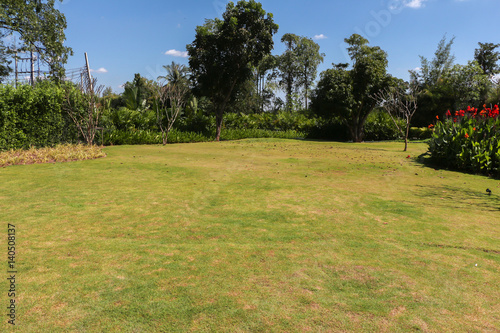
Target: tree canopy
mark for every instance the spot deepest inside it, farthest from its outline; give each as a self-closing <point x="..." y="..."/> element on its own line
<point x="345" y="93"/>
<point x="225" y="52"/>
<point x="488" y="58"/>
<point x="40" y="26"/>
<point x="298" y="66"/>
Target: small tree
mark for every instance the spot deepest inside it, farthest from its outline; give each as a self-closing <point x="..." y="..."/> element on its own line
<point x="175" y="96"/>
<point x="399" y="102"/>
<point x="84" y="107"/>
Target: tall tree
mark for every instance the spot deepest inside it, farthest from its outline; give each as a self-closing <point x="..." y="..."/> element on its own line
<point x="298" y="66"/>
<point x="467" y="85"/>
<point x="345" y="93"/>
<point x="288" y="67"/>
<point x="40" y="26"/>
<point x="264" y="80"/>
<point x="488" y="58"/>
<point x="431" y="72"/>
<point x="434" y="97"/>
<point x="308" y="58"/>
<point x="224" y="52"/>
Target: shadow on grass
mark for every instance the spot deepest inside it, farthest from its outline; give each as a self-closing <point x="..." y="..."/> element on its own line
<point x="458" y="247"/>
<point x="457" y="197"/>
<point x="425" y="160"/>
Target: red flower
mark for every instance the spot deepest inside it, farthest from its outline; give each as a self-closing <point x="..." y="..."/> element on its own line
<point x="430" y="126"/>
<point x="454" y="120"/>
<point x="437" y="117"/>
<point x="448" y="114"/>
<point x="466" y="135"/>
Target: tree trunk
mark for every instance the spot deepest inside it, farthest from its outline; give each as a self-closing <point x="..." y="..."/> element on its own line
<point x="356" y="129"/>
<point x="406" y="135"/>
<point x="165" y="137"/>
<point x="218" y="120"/>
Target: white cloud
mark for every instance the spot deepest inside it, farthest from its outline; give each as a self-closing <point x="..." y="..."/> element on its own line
<point x="415" y="3"/>
<point x="100" y="70"/>
<point x="175" y="53"/>
<point x="321" y="36"/>
<point x="398" y="5"/>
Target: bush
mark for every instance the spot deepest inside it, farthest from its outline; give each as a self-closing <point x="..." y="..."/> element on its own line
<point x="34" y="117"/>
<point x="280" y="121"/>
<point x="238" y="134"/>
<point x="420" y="133"/>
<point x="124" y="119"/>
<point x="468" y="141"/>
<point x="146" y="137"/>
<point x="380" y="126"/>
<point x="330" y="129"/>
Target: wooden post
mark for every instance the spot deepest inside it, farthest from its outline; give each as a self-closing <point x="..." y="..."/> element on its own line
<point x="88" y="72"/>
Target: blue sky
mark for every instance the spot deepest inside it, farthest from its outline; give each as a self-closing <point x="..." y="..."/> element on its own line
<point x="127" y="37"/>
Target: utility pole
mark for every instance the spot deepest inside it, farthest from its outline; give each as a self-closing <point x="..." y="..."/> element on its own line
<point x="88" y="72"/>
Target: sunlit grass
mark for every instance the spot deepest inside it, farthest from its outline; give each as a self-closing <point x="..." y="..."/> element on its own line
<point x="263" y="235"/>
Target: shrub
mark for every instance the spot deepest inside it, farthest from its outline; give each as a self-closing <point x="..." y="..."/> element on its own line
<point x="469" y="140"/>
<point x="238" y="134"/>
<point x="33" y="117"/>
<point x="380" y="126"/>
<point x="420" y="133"/>
<point x="329" y="129"/>
<point x="124" y="119"/>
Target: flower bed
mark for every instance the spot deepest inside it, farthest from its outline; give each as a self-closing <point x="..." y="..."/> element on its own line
<point x="468" y="140"/>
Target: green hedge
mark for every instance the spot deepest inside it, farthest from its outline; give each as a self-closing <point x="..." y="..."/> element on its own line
<point x="146" y="137"/>
<point x="33" y="117"/>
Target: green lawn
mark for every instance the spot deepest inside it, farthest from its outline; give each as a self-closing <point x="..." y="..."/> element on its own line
<point x="263" y="235"/>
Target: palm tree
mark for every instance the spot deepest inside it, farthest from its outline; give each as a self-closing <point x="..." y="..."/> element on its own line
<point x="176" y="74"/>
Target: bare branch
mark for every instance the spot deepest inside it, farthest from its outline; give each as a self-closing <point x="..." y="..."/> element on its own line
<point x="399" y="103"/>
<point x="175" y="95"/>
<point x="85" y="109"/>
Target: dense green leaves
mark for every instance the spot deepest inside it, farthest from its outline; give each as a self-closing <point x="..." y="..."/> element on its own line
<point x="346" y="93"/>
<point x="34" y="117"/>
<point x="488" y="58"/>
<point x="469" y="141"/>
<point x="444" y="85"/>
<point x="224" y="52"/>
<point x="297" y="67"/>
<point x="40" y="26"/>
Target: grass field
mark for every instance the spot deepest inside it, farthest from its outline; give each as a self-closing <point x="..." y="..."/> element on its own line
<point x="262" y="235"/>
